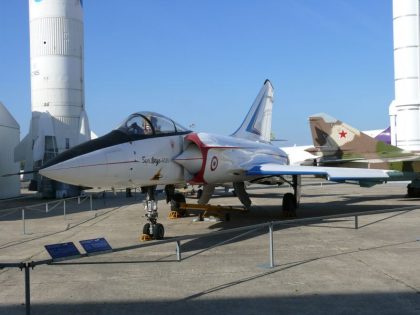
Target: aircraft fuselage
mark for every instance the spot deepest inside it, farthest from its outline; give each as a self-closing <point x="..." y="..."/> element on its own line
<point x="195" y="158"/>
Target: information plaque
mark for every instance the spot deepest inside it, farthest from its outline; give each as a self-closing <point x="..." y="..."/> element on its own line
<point x="96" y="246"/>
<point x="62" y="251"/>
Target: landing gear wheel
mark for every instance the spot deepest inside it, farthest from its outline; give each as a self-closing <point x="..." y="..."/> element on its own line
<point x="412" y="191"/>
<point x="158" y="231"/>
<point x="289" y="205"/>
<point x="176" y="201"/>
<point x="146" y="229"/>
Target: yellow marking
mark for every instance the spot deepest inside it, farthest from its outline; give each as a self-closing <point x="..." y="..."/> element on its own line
<point x="145" y="237"/>
<point x="191" y="206"/>
<point x="157" y="176"/>
<point x="174" y="215"/>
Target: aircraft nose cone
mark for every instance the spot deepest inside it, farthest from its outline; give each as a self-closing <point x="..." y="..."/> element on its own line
<point x="79" y="171"/>
<point x="62" y="172"/>
<point x="56" y="172"/>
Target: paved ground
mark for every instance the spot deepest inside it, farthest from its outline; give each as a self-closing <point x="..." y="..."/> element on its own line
<point x="325" y="267"/>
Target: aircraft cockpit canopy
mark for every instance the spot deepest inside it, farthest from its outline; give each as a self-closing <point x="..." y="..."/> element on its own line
<point x="150" y="124"/>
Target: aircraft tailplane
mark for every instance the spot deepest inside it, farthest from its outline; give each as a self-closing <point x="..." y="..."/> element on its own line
<point x="257" y="124"/>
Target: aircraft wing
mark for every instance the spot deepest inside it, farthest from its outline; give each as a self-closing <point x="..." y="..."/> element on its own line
<point x="339" y="161"/>
<point x="331" y="173"/>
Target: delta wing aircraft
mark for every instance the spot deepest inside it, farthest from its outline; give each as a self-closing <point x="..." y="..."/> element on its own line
<point x="149" y="149"/>
<point x="338" y="144"/>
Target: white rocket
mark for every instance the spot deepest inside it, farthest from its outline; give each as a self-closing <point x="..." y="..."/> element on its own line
<point x="59" y="120"/>
<point x="404" y="110"/>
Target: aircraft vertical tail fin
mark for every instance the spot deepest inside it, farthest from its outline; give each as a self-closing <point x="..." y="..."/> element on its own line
<point x="257" y="124"/>
<point x="335" y="139"/>
<point x="384" y="135"/>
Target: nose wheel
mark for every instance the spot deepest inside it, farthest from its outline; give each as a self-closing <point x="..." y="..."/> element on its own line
<point x="153" y="231"/>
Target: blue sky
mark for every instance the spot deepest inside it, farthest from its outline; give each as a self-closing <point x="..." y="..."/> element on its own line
<point x="203" y="62"/>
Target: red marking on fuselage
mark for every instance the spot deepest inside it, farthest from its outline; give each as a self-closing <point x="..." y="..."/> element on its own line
<point x="204" y="148"/>
<point x="199" y="177"/>
<point x="342" y="134"/>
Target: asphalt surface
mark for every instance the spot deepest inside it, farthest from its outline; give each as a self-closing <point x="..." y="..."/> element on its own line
<point x="322" y="267"/>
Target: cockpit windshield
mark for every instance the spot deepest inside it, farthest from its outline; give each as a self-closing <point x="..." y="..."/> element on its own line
<point x="150" y="124"/>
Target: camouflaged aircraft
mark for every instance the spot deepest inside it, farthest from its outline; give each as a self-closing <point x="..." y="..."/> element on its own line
<point x="338" y="144"/>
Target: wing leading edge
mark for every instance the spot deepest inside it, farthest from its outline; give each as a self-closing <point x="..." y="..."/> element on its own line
<point x="338" y="174"/>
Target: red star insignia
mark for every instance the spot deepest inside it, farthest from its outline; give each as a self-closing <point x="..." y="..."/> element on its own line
<point x="342" y="134"/>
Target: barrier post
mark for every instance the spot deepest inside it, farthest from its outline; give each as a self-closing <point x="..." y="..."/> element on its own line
<point x="64" y="208"/>
<point x="178" y="250"/>
<point x="270" y="228"/>
<point x="27" y="289"/>
<point x="91" y="205"/>
<point x="23" y="221"/>
<point x="356" y="222"/>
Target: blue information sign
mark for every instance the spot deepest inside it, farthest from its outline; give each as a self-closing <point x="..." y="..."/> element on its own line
<point x="62" y="251"/>
<point x="96" y="246"/>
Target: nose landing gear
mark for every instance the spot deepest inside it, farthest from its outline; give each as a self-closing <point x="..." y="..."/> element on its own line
<point x="152" y="229"/>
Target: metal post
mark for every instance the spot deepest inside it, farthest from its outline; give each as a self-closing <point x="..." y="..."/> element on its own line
<point x="46" y="207"/>
<point x="27" y="289"/>
<point x="64" y="208"/>
<point x="23" y="221"/>
<point x="178" y="250"/>
<point x="356" y="222"/>
<point x="91" y="205"/>
<point x="78" y="200"/>
<point x="270" y="228"/>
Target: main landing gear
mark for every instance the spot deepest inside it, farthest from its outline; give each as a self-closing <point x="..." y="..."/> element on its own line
<point x="413" y="189"/>
<point x="291" y="200"/>
<point x="152" y="229"/>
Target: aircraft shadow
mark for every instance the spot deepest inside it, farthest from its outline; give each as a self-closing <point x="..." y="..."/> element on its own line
<point x="264" y="214"/>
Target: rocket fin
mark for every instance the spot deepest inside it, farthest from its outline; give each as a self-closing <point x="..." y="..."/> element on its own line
<point x="21" y="149"/>
<point x="45" y="128"/>
<point x="84" y="132"/>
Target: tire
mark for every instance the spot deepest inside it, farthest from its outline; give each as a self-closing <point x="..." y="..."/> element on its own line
<point x="413" y="192"/>
<point x="146" y="229"/>
<point x="158" y="231"/>
<point x="289" y="203"/>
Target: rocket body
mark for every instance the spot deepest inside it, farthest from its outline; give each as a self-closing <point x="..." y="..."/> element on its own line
<point x="57" y="74"/>
<point x="404" y="110"/>
<point x="59" y="120"/>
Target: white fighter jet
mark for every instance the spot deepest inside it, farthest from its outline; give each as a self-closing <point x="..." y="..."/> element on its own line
<point x="149" y="149"/>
